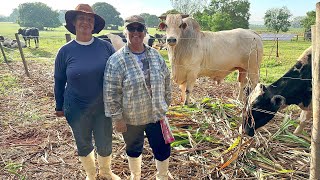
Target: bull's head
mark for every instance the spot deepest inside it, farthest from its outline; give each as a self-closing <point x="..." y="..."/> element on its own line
<point x="263" y="106"/>
<point x="173" y="26"/>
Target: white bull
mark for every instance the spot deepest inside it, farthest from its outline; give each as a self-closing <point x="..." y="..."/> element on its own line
<point x="194" y="53"/>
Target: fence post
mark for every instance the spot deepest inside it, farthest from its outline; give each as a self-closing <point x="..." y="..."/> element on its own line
<point x="277" y="48"/>
<point x="4" y="55"/>
<point x="22" y="55"/>
<point x="315" y="136"/>
<point x="68" y="37"/>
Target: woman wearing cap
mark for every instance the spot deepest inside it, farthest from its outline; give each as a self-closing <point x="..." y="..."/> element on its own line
<point x="137" y="93"/>
<point x="78" y="75"/>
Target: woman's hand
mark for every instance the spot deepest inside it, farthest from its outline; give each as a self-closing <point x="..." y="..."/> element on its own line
<point x="59" y="113"/>
<point x="121" y="126"/>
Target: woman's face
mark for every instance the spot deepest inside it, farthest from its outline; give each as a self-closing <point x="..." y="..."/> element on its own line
<point x="136" y="33"/>
<point x="84" y="24"/>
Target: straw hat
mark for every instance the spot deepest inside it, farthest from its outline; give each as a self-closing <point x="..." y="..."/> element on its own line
<point x="70" y="16"/>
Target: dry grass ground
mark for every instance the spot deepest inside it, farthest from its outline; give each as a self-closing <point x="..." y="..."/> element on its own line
<point x="37" y="145"/>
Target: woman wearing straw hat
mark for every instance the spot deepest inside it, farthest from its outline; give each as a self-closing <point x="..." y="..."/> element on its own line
<point x="78" y="74"/>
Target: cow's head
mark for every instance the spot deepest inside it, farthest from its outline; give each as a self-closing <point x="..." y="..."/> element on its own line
<point x="263" y="106"/>
<point x="20" y="31"/>
<point x="174" y="25"/>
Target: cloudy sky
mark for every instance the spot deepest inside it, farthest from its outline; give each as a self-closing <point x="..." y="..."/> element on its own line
<point x="157" y="7"/>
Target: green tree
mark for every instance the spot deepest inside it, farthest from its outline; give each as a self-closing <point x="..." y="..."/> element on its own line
<point x="189" y="6"/>
<point x="108" y="13"/>
<point x="61" y="16"/>
<point x="296" y="22"/>
<point x="224" y="14"/>
<point x="3" y="18"/>
<point x="277" y="19"/>
<point x="171" y="11"/>
<point x="151" y="20"/>
<point x="37" y="15"/>
<point x="13" y="17"/>
<point x="309" y="20"/>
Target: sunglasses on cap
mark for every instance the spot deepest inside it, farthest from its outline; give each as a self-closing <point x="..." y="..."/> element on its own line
<point x="133" y="29"/>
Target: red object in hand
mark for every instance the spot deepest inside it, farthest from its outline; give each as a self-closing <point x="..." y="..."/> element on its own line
<point x="166" y="131"/>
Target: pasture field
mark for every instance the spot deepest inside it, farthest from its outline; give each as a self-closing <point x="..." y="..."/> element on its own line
<point x="37" y="145"/>
<point x="272" y="67"/>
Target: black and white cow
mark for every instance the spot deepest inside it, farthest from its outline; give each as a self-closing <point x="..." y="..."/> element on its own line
<point x="160" y="37"/>
<point x="292" y="88"/>
<point x="30" y="33"/>
<point x="118" y="41"/>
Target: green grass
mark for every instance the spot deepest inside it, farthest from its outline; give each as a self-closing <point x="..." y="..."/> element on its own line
<point x="7" y="83"/>
<point x="272" y="67"/>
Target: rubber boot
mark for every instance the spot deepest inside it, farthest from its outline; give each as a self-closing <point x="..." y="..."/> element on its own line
<point x="88" y="163"/>
<point x="135" y="167"/>
<point x="105" y="170"/>
<point x="162" y="169"/>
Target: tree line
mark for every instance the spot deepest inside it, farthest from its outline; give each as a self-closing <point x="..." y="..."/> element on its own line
<point x="212" y="15"/>
<point x="41" y="16"/>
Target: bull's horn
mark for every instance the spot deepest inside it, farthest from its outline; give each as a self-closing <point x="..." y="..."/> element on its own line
<point x="163" y="17"/>
<point x="184" y="15"/>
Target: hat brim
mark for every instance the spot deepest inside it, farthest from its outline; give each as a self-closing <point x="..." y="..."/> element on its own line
<point x="127" y="24"/>
<point x="99" y="22"/>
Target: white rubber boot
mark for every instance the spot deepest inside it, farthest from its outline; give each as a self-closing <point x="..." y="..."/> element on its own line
<point x="88" y="163"/>
<point x="105" y="170"/>
<point x="162" y="169"/>
<point x="135" y="167"/>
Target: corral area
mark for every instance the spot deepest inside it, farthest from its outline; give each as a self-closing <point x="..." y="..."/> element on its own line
<point x="35" y="144"/>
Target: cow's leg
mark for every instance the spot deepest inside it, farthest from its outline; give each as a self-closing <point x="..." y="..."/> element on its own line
<point x="191" y="80"/>
<point x="183" y="88"/>
<point x="304" y="117"/>
<point x="242" y="78"/>
<point x="36" y="42"/>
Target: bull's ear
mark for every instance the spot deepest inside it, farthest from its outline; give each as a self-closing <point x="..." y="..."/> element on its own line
<point x="278" y="100"/>
<point x="162" y="26"/>
<point x="183" y="25"/>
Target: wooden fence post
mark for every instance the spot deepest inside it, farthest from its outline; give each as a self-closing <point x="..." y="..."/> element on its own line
<point x="22" y="55"/>
<point x="277" y="55"/>
<point x="315" y="137"/>
<point x="68" y="37"/>
<point x="4" y="55"/>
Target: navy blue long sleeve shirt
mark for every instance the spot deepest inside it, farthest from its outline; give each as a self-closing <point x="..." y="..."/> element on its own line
<point x="78" y="73"/>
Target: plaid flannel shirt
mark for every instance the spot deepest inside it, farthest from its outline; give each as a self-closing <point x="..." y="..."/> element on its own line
<point x="126" y="96"/>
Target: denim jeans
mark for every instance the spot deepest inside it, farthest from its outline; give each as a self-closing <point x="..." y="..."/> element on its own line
<point x="87" y="122"/>
<point x="134" y="139"/>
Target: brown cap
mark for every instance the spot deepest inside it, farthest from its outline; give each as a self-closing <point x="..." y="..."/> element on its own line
<point x="70" y="15"/>
<point x="134" y="19"/>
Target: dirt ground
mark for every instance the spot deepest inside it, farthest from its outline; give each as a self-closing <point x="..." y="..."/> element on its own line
<point x="37" y="145"/>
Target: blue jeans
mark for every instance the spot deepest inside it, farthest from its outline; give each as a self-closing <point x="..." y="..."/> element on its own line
<point x="87" y="122"/>
<point x="134" y="139"/>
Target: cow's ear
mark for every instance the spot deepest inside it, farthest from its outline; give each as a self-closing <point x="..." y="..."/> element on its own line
<point x="278" y="100"/>
<point x="162" y="26"/>
<point x="183" y="25"/>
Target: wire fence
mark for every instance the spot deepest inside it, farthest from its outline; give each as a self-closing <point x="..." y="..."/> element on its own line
<point x="49" y="46"/>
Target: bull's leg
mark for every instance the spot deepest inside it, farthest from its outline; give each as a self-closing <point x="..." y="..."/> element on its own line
<point x="191" y="80"/>
<point x="183" y="92"/>
<point x="304" y="117"/>
<point x="242" y="78"/>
